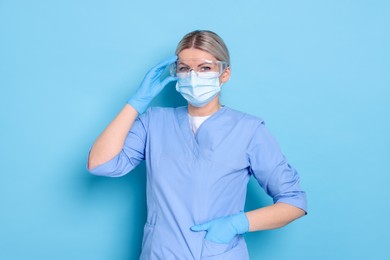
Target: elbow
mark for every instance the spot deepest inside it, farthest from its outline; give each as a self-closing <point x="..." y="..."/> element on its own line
<point x="115" y="167"/>
<point x="300" y="212"/>
<point x="297" y="201"/>
<point x="99" y="168"/>
<point x="95" y="169"/>
<point x="95" y="160"/>
<point x="92" y="163"/>
<point x="290" y="213"/>
<point x="106" y="171"/>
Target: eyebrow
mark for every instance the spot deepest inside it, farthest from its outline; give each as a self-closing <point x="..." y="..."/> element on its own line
<point x="182" y="63"/>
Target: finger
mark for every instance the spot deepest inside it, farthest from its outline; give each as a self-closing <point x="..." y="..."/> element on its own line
<point x="165" y="63"/>
<point x="157" y="71"/>
<point x="167" y="80"/>
<point x="200" y="227"/>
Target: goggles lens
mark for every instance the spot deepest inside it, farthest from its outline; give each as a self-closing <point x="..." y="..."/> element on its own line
<point x="202" y="68"/>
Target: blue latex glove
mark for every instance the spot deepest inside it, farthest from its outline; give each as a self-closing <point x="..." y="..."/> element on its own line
<point x="222" y="230"/>
<point x="151" y="86"/>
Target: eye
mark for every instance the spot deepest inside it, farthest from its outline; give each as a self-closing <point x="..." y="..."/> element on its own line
<point x="205" y="68"/>
<point x="183" y="69"/>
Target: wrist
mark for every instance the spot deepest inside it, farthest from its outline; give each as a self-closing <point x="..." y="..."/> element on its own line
<point x="242" y="223"/>
<point x="138" y="104"/>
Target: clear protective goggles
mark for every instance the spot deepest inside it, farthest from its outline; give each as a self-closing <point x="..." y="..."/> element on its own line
<point x="201" y="67"/>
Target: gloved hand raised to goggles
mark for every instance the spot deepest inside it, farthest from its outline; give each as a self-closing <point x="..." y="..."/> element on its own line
<point x="222" y="230"/>
<point x="151" y="86"/>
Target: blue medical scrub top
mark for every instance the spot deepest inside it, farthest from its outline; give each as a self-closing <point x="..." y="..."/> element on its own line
<point x="192" y="179"/>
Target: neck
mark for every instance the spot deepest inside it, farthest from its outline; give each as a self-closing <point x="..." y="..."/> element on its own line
<point x="206" y="110"/>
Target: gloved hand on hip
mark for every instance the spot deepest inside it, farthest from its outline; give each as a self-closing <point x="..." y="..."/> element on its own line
<point x="222" y="230"/>
<point x="151" y="86"/>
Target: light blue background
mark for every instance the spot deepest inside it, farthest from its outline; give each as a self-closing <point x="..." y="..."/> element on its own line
<point x="318" y="72"/>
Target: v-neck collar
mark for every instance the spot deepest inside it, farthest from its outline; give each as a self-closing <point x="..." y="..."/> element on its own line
<point x="184" y="125"/>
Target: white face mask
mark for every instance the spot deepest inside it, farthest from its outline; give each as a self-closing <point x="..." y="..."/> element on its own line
<point x="199" y="90"/>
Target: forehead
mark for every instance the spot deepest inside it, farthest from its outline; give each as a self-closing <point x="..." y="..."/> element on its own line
<point x="195" y="54"/>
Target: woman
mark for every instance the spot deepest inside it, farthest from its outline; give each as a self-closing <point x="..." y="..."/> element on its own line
<point x="199" y="159"/>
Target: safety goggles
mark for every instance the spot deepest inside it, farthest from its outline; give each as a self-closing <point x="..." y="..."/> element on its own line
<point x="202" y="68"/>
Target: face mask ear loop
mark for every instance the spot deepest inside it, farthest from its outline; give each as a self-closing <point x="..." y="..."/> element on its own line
<point x="227" y="66"/>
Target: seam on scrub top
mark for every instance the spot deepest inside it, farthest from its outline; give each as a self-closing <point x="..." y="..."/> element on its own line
<point x="246" y="153"/>
<point x="177" y="125"/>
<point x="155" y="206"/>
<point x="218" y="113"/>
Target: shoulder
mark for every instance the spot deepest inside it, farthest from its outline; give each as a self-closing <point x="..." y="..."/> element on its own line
<point x="159" y="115"/>
<point x="244" y="118"/>
<point x="160" y="111"/>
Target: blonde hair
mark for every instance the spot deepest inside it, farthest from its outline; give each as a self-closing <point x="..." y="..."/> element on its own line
<point x="207" y="41"/>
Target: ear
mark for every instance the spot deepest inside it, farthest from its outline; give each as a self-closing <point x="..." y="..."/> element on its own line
<point x="225" y="75"/>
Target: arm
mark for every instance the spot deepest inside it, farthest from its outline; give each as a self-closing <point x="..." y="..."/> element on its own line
<point x="111" y="141"/>
<point x="274" y="216"/>
<point x="278" y="179"/>
<point x="223" y="229"/>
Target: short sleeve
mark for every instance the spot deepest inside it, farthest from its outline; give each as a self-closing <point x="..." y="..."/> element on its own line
<point x="132" y="153"/>
<point x="270" y="168"/>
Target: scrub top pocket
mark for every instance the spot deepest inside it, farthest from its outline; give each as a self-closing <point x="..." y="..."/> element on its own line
<point x="234" y="250"/>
